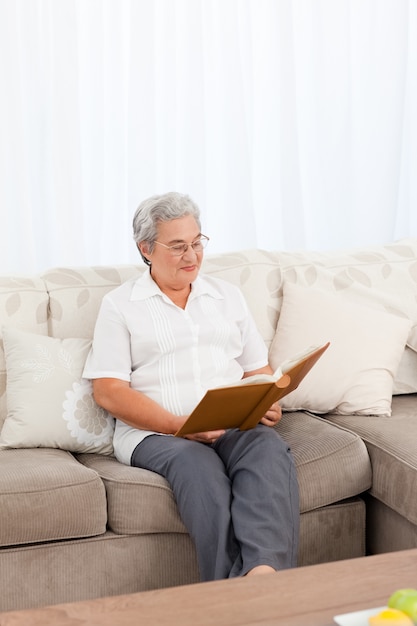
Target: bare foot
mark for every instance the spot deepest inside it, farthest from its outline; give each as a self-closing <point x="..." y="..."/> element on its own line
<point x="261" y="569"/>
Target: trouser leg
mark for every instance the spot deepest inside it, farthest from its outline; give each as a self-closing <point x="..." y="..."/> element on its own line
<point x="237" y="498"/>
<point x="202" y="491"/>
<point x="265" y="506"/>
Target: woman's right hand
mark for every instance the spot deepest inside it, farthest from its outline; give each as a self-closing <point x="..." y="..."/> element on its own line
<point x="208" y="437"/>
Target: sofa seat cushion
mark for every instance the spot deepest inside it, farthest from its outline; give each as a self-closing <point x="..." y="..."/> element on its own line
<point x="45" y="495"/>
<point x="332" y="463"/>
<point x="138" y="501"/>
<point x="391" y="443"/>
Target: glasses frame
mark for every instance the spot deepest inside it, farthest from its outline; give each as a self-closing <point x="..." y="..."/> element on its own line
<point x="179" y="249"/>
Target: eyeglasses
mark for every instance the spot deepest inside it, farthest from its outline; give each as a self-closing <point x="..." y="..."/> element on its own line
<point x="181" y="248"/>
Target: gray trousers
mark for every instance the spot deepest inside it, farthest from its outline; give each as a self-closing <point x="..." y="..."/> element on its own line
<point x="238" y="497"/>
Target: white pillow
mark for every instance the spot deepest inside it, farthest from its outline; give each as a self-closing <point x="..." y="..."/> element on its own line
<point x="356" y="373"/>
<point x="49" y="404"/>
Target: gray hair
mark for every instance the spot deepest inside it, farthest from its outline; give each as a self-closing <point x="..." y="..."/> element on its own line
<point x="156" y="209"/>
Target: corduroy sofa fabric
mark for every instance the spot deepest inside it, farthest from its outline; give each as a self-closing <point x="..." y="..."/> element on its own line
<point x="335" y="468"/>
<point x="391" y="443"/>
<point x="50" y="573"/>
<point x="46" y="495"/>
<point x="138" y="501"/>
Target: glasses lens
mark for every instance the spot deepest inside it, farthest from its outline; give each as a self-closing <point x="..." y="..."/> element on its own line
<point x="180" y="249"/>
<point x="201" y="243"/>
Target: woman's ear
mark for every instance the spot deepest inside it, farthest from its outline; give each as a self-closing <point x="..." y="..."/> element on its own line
<point x="144" y="249"/>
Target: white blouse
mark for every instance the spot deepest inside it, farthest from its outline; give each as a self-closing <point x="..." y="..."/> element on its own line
<point x="172" y="355"/>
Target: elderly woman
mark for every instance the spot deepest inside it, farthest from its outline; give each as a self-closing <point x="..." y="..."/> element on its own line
<point x="160" y="342"/>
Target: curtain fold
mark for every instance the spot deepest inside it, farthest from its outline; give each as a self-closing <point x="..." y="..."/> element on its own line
<point x="290" y="122"/>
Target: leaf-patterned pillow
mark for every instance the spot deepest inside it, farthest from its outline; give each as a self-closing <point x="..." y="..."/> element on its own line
<point x="356" y="374"/>
<point x="49" y="404"/>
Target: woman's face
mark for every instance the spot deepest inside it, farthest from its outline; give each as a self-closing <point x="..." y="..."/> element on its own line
<point x="172" y="272"/>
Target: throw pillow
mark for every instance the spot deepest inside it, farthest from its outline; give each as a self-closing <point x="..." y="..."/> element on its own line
<point x="356" y="373"/>
<point x="49" y="404"/>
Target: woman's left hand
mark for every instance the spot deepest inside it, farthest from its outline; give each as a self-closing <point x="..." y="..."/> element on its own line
<point x="273" y="416"/>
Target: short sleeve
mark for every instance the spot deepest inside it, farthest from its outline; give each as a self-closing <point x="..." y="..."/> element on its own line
<point x="110" y="354"/>
<point x="255" y="352"/>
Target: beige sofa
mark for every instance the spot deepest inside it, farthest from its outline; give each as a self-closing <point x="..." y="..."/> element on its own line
<point x="76" y="524"/>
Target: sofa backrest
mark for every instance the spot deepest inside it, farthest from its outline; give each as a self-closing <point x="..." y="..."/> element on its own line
<point x="75" y="295"/>
<point x="258" y="274"/>
<point x="383" y="277"/>
<point x="64" y="302"/>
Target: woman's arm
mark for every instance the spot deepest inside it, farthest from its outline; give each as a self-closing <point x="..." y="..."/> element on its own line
<point x="133" y="407"/>
<point x="138" y="410"/>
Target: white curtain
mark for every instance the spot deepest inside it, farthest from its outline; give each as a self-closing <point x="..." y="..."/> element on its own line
<point x="292" y="123"/>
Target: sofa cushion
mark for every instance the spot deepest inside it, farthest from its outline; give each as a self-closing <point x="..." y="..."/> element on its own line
<point x="76" y="294"/>
<point x="23" y="303"/>
<point x="382" y="277"/>
<point x="257" y="274"/>
<point x="47" y="495"/>
<point x="332" y="463"/>
<point x="391" y="443"/>
<point x="378" y="276"/>
<point x="138" y="501"/>
<point x="356" y="373"/>
<point x="405" y="381"/>
<point x="49" y="404"/>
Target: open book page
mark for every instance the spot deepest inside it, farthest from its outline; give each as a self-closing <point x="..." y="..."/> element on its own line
<point x="279" y="372"/>
<point x="290" y="363"/>
<point x="251" y="380"/>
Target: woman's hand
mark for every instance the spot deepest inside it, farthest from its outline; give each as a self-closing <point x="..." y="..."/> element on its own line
<point x="273" y="416"/>
<point x="208" y="437"/>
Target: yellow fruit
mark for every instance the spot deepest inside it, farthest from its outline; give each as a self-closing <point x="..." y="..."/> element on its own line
<point x="390" y="617"/>
<point x="405" y="600"/>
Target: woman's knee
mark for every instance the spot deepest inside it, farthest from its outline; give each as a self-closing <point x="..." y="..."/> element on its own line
<point x="262" y="437"/>
<point x="257" y="448"/>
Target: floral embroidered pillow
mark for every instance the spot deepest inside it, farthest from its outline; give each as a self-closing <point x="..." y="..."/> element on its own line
<point x="49" y="404"/>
